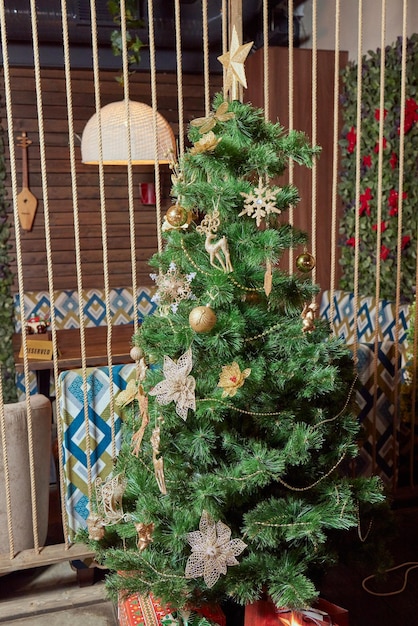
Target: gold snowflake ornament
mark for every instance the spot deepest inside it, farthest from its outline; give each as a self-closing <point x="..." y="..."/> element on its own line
<point x="213" y="551"/>
<point x="231" y="379"/>
<point x="259" y="203"/>
<point x="178" y="386"/>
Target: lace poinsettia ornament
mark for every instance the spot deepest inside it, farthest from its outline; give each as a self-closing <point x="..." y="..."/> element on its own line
<point x="213" y="550"/>
<point x="178" y="386"/>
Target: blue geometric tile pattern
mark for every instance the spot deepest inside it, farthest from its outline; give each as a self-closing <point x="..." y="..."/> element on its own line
<point x="376" y="395"/>
<point x="67" y="313"/>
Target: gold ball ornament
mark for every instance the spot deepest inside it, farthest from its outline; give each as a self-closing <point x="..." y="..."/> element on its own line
<point x="305" y="262"/>
<point x="177" y="216"/>
<point x="136" y="353"/>
<point x="202" y="319"/>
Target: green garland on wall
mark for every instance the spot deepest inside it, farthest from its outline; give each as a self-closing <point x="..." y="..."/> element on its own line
<point x="369" y="147"/>
<point x="6" y="283"/>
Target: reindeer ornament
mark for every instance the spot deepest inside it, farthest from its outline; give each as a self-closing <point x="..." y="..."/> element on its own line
<point x="218" y="250"/>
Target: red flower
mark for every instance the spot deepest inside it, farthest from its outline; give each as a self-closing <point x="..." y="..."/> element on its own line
<point x="384" y="253"/>
<point x="377" y="146"/>
<point x="393" y="201"/>
<point x="383" y="227"/>
<point x="367" y="161"/>
<point x="364" y="201"/>
<point x="411" y="115"/>
<point x="352" y="139"/>
<point x="393" y="160"/>
<point x="406" y="240"/>
<point x="351" y="242"/>
<point x="377" y="114"/>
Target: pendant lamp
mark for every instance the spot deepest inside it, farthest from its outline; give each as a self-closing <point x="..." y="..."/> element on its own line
<point x="115" y="136"/>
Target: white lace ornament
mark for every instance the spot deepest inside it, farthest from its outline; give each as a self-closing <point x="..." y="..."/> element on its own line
<point x="173" y="287"/>
<point x="178" y="386"/>
<point x="212" y="550"/>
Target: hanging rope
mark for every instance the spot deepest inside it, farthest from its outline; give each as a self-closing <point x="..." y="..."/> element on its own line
<point x="179" y="65"/>
<point x="206" y="55"/>
<point x="102" y="197"/>
<point x="335" y="152"/>
<point x="154" y="123"/>
<point x="13" y="170"/>
<point x="379" y="229"/>
<point x="314" y="132"/>
<point x="358" y="176"/>
<point x="291" y="117"/>
<point x="266" y="61"/>
<point x="397" y="375"/>
<point x="79" y="274"/>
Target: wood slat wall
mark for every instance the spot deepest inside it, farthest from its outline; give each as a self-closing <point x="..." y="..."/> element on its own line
<point x="302" y="120"/>
<point x="59" y="189"/>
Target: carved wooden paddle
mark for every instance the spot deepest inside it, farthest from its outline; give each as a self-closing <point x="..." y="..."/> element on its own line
<point x="26" y="202"/>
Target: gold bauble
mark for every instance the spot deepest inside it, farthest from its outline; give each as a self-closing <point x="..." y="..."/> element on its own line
<point x="136" y="353"/>
<point x="305" y="262"/>
<point x="177" y="216"/>
<point x="202" y="319"/>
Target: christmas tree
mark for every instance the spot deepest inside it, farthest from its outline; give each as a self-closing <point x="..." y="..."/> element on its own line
<point x="230" y="482"/>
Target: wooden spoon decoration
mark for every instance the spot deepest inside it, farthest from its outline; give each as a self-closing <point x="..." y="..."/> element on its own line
<point x="26" y="202"/>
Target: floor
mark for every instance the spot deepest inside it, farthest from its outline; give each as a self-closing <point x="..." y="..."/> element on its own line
<point x="52" y="595"/>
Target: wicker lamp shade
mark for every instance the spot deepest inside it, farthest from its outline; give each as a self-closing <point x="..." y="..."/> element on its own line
<point x="114" y="136"/>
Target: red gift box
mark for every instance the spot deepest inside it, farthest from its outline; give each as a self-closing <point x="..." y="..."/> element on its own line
<point x="324" y="613"/>
<point x="138" y="610"/>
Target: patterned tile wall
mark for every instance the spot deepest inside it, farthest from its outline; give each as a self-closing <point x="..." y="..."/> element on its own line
<point x="378" y="375"/>
<point x="67" y="313"/>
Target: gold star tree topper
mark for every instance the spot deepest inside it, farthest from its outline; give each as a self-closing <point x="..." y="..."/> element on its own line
<point x="233" y="62"/>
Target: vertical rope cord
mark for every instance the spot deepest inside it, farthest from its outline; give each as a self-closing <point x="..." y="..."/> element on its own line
<point x="206" y="55"/>
<point x="102" y="196"/>
<point x="379" y="227"/>
<point x="224" y="34"/>
<point x="314" y="138"/>
<point x="335" y="145"/>
<point x="396" y="416"/>
<point x="10" y="130"/>
<point x="45" y="195"/>
<point x="179" y="64"/>
<point x="131" y="212"/>
<point x="154" y="123"/>
<point x="266" y="61"/>
<point x="291" y="117"/>
<point x="79" y="276"/>
<point x="358" y="178"/>
<point x="6" y="471"/>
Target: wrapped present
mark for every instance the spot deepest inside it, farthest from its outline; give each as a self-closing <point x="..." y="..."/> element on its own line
<point x="137" y="610"/>
<point x="324" y="613"/>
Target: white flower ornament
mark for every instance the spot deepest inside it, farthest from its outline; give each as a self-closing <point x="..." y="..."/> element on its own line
<point x="178" y="386"/>
<point x="212" y="550"/>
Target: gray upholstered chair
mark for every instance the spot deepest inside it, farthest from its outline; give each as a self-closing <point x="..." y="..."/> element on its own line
<point x="17" y="449"/>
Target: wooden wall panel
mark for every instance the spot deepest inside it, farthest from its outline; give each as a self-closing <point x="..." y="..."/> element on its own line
<point x="59" y="198"/>
<point x="279" y="111"/>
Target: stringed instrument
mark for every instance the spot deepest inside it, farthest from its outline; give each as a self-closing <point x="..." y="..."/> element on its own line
<point x="27" y="203"/>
